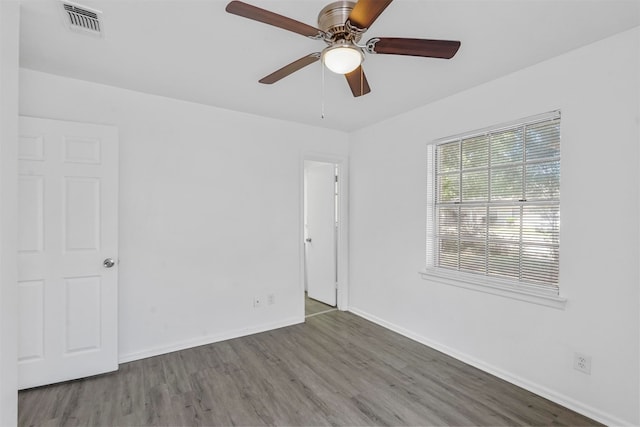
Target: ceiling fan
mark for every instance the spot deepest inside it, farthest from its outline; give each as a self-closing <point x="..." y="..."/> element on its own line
<point x="341" y="26"/>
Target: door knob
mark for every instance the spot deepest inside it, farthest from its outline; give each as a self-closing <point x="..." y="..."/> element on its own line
<point x="308" y="240"/>
<point x="108" y="263"/>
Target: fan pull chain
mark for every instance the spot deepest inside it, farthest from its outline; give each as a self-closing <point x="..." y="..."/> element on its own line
<point x="322" y="94"/>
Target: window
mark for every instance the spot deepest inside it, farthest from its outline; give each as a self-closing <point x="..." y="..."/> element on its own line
<point x="494" y="205"/>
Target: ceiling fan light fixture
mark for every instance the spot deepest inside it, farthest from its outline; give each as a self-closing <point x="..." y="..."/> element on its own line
<point x="341" y="25"/>
<point x="342" y="57"/>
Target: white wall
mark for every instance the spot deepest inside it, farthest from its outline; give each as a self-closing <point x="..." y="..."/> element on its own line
<point x="210" y="211"/>
<point x="596" y="87"/>
<point x="9" y="25"/>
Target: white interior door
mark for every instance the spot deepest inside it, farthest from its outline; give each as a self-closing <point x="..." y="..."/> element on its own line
<point x="320" y="242"/>
<point x="67" y="232"/>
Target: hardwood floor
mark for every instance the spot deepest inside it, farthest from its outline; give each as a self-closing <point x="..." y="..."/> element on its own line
<point x="336" y="369"/>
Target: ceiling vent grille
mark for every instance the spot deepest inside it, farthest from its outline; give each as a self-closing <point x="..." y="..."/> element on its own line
<point x="81" y="18"/>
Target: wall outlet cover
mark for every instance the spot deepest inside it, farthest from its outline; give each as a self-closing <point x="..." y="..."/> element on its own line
<point x="582" y="363"/>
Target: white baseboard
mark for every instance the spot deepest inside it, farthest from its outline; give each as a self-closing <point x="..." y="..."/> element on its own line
<point x="208" y="339"/>
<point x="552" y="395"/>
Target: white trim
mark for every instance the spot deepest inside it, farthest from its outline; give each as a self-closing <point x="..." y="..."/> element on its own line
<point x="489" y="285"/>
<point x="638" y="237"/>
<point x="9" y="87"/>
<point x="531" y="386"/>
<point x="342" y="161"/>
<point x="208" y="339"/>
<point x="637" y="30"/>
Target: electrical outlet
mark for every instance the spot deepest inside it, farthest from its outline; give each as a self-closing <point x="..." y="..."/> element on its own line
<point x="582" y="363"/>
<point x="271" y="299"/>
<point x="257" y="302"/>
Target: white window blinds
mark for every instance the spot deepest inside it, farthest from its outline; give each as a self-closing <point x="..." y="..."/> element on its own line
<point x="495" y="202"/>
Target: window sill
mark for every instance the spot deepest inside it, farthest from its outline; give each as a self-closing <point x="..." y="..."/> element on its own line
<point x="495" y="287"/>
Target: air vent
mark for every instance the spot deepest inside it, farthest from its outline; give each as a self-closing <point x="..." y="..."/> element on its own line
<point x="81" y="18"/>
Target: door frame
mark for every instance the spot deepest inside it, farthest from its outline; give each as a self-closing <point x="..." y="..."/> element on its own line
<point x="342" y="298"/>
<point x="9" y="75"/>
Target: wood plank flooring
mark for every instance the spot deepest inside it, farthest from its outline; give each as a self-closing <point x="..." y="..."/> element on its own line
<point x="336" y="369"/>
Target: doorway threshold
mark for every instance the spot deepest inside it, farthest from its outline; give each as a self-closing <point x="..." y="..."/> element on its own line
<point x="321" y="312"/>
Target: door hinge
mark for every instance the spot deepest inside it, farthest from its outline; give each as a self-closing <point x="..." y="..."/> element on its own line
<point x="336" y="178"/>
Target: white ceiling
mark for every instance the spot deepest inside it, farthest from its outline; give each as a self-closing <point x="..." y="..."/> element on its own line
<point x="193" y="50"/>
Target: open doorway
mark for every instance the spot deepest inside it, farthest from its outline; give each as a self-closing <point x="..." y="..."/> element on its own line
<point x="321" y="219"/>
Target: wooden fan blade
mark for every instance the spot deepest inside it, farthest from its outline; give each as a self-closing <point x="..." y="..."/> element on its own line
<point x="257" y="14"/>
<point x="290" y="69"/>
<point x="445" y="49"/>
<point x="365" y="12"/>
<point x="358" y="82"/>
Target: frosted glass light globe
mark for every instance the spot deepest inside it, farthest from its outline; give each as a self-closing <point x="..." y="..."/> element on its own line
<point x="342" y="59"/>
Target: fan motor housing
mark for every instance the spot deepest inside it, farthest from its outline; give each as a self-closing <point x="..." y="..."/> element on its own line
<point x="332" y="18"/>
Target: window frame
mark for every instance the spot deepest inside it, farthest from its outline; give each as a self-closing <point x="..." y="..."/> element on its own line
<point x="548" y="295"/>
